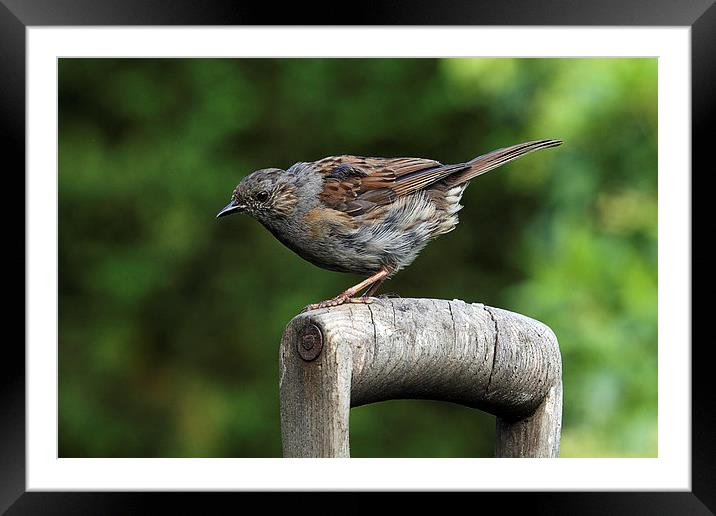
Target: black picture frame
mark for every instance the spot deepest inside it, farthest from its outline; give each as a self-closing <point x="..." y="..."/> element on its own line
<point x="17" y="15"/>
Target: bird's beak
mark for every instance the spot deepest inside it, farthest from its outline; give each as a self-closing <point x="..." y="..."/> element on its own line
<point x="230" y="208"/>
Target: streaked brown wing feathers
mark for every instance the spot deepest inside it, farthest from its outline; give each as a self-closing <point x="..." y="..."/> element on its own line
<point x="355" y="184"/>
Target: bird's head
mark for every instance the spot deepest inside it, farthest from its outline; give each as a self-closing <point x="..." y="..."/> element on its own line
<point x="265" y="195"/>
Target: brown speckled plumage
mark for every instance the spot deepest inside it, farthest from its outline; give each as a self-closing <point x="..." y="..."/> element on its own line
<point x="368" y="216"/>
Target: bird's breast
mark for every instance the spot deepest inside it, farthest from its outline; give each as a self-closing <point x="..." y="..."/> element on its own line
<point x="388" y="236"/>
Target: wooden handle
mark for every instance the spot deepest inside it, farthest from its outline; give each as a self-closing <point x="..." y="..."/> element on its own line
<point x="487" y="358"/>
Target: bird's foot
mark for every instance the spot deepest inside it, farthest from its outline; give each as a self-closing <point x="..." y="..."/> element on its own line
<point x="362" y="300"/>
<point x="339" y="300"/>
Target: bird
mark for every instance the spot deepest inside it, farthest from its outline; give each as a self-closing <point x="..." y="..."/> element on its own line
<point x="370" y="216"/>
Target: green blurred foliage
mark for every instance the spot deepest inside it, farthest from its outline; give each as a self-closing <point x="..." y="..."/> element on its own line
<point x="170" y="320"/>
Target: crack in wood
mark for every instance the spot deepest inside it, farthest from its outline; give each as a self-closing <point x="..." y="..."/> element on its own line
<point x="494" y="353"/>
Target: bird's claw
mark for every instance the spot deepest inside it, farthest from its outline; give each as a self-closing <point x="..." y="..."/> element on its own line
<point x="361" y="300"/>
<point x="339" y="300"/>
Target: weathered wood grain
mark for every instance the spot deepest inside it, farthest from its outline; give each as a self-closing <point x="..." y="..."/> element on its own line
<point x="491" y="359"/>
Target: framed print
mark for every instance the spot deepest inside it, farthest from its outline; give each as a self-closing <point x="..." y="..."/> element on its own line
<point x="153" y="320"/>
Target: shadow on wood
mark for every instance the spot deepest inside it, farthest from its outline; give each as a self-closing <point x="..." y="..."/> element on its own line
<point x="486" y="358"/>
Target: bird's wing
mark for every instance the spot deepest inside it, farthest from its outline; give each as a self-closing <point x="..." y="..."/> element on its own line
<point x="355" y="185"/>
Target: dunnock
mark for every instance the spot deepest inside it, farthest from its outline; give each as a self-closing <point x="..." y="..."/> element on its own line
<point x="369" y="216"/>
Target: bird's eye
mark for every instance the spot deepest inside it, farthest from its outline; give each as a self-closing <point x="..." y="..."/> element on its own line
<point x="262" y="196"/>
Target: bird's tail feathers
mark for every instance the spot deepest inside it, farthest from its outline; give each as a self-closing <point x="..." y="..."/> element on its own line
<point x="497" y="158"/>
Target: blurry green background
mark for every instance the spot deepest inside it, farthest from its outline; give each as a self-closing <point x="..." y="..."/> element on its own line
<point x="170" y="320"/>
